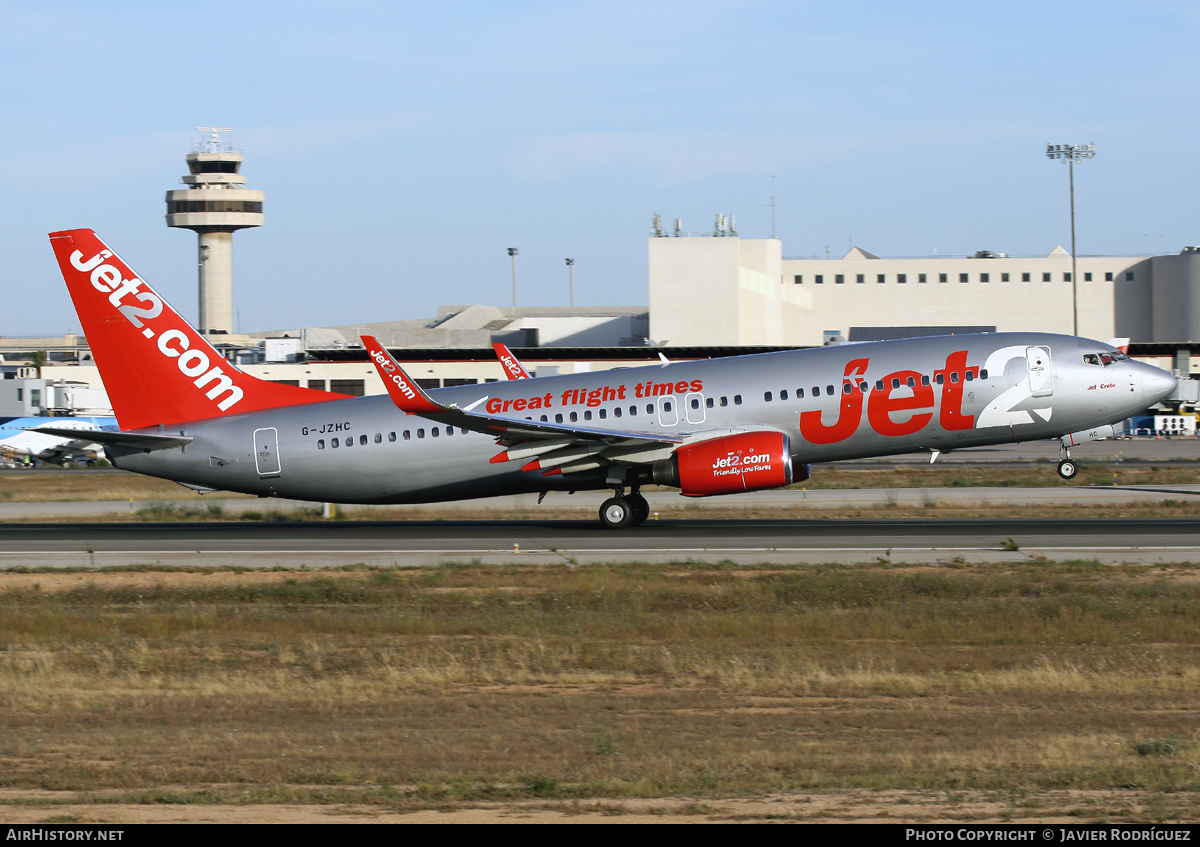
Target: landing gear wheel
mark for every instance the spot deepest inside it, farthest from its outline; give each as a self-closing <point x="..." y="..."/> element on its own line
<point x="616" y="513"/>
<point x="641" y="509"/>
<point x="1067" y="469"/>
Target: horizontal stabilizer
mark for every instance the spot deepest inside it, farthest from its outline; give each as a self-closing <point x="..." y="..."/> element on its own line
<point x="133" y="440"/>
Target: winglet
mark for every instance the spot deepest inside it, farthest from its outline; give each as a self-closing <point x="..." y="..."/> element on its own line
<point x="513" y="369"/>
<point x="404" y="391"/>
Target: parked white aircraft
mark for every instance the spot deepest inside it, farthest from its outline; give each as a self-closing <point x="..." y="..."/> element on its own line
<point x="21" y="437"/>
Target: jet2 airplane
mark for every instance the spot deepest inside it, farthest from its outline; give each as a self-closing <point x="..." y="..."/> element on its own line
<point x="706" y="427"/>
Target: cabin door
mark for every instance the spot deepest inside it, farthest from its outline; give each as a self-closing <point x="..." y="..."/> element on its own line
<point x="1041" y="376"/>
<point x="266" y="451"/>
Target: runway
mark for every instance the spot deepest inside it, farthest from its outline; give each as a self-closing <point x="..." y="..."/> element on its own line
<point x="430" y="543"/>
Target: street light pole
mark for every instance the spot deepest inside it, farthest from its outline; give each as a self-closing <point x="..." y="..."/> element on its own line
<point x="1069" y="154"/>
<point x="571" y="278"/>
<point x="512" y="252"/>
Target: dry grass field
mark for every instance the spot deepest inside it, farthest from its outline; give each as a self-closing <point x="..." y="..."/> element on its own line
<point x="686" y="692"/>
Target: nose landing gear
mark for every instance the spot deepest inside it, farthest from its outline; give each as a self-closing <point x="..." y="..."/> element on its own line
<point x="1067" y="468"/>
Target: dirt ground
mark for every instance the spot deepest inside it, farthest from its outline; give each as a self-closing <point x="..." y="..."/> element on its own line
<point x="1059" y="807"/>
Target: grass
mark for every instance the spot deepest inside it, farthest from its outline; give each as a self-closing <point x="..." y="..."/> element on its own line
<point x="430" y="688"/>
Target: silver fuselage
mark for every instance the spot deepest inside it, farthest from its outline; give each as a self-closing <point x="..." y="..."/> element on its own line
<point x="965" y="391"/>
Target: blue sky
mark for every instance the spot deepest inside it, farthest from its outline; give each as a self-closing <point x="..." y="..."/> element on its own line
<point x="404" y="146"/>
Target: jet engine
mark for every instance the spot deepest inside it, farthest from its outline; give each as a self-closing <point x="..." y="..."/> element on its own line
<point x="731" y="464"/>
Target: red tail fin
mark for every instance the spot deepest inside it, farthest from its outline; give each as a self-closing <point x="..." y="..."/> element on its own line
<point x="157" y="369"/>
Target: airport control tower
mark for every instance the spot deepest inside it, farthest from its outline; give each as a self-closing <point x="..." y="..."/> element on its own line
<point x="215" y="205"/>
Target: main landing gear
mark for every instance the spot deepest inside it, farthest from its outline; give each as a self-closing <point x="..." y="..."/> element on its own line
<point x="1067" y="469"/>
<point x="624" y="511"/>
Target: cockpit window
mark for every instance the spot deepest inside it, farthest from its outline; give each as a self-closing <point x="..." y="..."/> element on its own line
<point x="1104" y="358"/>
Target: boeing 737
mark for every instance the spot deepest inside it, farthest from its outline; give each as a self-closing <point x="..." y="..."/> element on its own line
<point x="707" y="427"/>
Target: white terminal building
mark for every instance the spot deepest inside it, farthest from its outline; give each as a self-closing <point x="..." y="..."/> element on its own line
<point x="720" y="289"/>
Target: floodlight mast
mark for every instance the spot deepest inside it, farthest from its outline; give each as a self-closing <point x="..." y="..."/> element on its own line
<point x="512" y="252"/>
<point x="1069" y="154"/>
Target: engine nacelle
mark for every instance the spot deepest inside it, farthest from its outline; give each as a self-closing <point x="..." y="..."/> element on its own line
<point x="731" y="464"/>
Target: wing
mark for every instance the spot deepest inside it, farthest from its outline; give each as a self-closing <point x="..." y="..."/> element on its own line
<point x="552" y="447"/>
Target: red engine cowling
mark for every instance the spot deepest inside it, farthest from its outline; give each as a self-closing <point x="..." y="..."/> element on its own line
<point x="731" y="464"/>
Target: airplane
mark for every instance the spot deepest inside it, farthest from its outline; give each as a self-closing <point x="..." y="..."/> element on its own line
<point x="707" y="427"/>
<point x="25" y="436"/>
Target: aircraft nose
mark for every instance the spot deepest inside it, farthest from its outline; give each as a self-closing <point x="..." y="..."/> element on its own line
<point x="1157" y="384"/>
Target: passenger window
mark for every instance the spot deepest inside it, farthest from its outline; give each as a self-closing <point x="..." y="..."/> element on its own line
<point x="695" y="403"/>
<point x="829" y="390"/>
<point x="783" y="394"/>
<point x="558" y="418"/>
<point x="799" y="393"/>
<point x="587" y="415"/>
<point x="603" y="414"/>
<point x="879" y="385"/>
<point x="847" y="388"/>
<point x="649" y="408"/>
<point x="379" y="438"/>
<point x="333" y="442"/>
<point x="435" y="432"/>
<point x="617" y="412"/>
<point x="912" y="382"/>
<point x="667" y="406"/>
<point x="983" y="373"/>
<point x="737" y="399"/>
<point x="633" y="410"/>
<point x="362" y="439"/>
<point x="420" y="433"/>
<point x="349" y="440"/>
<point x="924" y="379"/>
<point x="724" y="401"/>
<point x="391" y="436"/>
<point x="544" y="419"/>
<point x="320" y="443"/>
<point x="970" y="376"/>
<point x="449" y="431"/>
<point x="954" y="377"/>
<point x="895" y="382"/>
<point x="816" y="391"/>
<point x="408" y="435"/>
<point x="767" y="396"/>
<point x="574" y="417"/>
<point x="709" y="403"/>
<point x="939" y="379"/>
